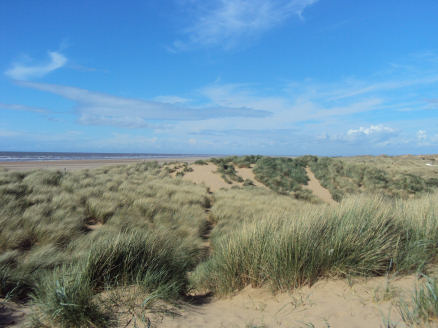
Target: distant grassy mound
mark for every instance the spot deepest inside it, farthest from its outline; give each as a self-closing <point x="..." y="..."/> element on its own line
<point x="345" y="176"/>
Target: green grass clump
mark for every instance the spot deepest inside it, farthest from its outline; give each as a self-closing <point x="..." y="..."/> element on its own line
<point x="246" y="161"/>
<point x="65" y="298"/>
<point x="152" y="261"/>
<point x="227" y="170"/>
<point x="364" y="236"/>
<point x="200" y="162"/>
<point x="282" y="175"/>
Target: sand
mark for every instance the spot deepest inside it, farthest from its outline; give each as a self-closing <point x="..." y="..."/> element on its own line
<point x="316" y="188"/>
<point x="205" y="174"/>
<point x="12" y="314"/>
<point x="353" y="303"/>
<point x="72" y="165"/>
<point x="247" y="173"/>
<point x="329" y="303"/>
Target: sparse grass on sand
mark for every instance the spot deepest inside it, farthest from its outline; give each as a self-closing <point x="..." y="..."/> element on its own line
<point x="422" y="309"/>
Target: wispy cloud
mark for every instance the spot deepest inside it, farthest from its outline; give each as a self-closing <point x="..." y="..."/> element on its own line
<point x="357" y="89"/>
<point x="171" y="99"/>
<point x="23" y="108"/>
<point x="226" y="22"/>
<point x="21" y="71"/>
<point x="287" y="108"/>
<point x="8" y="133"/>
<point x="102" y="109"/>
<point x="432" y="103"/>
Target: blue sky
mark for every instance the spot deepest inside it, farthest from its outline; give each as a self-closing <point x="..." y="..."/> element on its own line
<point x="274" y="77"/>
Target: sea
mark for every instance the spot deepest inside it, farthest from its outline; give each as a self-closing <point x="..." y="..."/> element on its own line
<point x="12" y="156"/>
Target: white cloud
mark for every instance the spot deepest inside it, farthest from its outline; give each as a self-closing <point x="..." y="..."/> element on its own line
<point x="421" y="135"/>
<point x="226" y="22"/>
<point x="370" y="131"/>
<point x="103" y="109"/>
<point x="424" y="139"/>
<point x="372" y="137"/>
<point x="21" y="71"/>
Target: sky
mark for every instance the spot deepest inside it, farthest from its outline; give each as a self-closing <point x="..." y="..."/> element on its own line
<point x="270" y="77"/>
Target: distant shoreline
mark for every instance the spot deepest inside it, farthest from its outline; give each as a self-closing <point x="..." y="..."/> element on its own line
<point x="80" y="164"/>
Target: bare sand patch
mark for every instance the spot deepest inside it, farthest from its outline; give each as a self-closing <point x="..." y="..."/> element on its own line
<point x="315" y="187"/>
<point x="247" y="173"/>
<point x="12" y="314"/>
<point x="328" y="303"/>
<point x="206" y="174"/>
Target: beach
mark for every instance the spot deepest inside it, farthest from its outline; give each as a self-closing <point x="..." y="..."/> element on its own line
<point x="73" y="165"/>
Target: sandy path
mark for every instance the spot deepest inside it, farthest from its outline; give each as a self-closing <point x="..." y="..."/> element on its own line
<point x="247" y="173"/>
<point x="331" y="303"/>
<point x="318" y="190"/>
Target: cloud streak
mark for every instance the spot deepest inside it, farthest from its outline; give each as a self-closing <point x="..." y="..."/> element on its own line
<point x="25" y="108"/>
<point x="225" y="22"/>
<point x="102" y="109"/>
<point x="20" y="71"/>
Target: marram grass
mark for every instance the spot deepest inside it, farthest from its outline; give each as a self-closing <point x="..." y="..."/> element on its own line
<point x="366" y="236"/>
<point x="67" y="238"/>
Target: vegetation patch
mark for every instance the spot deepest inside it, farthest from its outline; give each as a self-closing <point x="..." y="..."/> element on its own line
<point x="166" y="238"/>
<point x="344" y="177"/>
<point x="282" y="175"/>
<point x="364" y="236"/>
